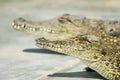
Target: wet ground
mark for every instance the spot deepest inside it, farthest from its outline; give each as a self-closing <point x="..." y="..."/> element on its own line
<point x="20" y="59"/>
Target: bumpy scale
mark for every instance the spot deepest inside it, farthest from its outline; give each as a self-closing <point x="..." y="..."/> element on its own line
<point x="95" y="42"/>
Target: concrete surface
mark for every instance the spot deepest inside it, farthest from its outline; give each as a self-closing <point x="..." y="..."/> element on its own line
<point x="20" y="59"/>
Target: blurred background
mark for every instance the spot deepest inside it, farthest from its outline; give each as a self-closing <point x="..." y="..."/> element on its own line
<point x="20" y="59"/>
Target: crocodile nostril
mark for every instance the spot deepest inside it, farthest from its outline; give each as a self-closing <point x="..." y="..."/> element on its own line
<point x="62" y="20"/>
<point x="21" y="19"/>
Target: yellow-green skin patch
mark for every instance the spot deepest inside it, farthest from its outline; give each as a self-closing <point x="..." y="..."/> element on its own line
<point x="95" y="42"/>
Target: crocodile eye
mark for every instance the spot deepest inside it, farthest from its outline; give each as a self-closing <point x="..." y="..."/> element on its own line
<point x="114" y="32"/>
<point x="95" y="57"/>
<point x="62" y="20"/>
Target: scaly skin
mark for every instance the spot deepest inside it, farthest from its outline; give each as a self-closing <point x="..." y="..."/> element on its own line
<point x="95" y="42"/>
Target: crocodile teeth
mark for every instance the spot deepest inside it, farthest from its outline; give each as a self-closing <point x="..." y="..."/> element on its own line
<point x="30" y="29"/>
<point x="23" y="25"/>
<point x="53" y="31"/>
<point x="33" y="29"/>
<point x="13" y="24"/>
<point x="48" y="30"/>
<point x="41" y="29"/>
<point x="45" y="30"/>
<point x="18" y="27"/>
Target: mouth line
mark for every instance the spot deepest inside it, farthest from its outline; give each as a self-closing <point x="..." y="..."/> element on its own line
<point x="28" y="28"/>
<point x="48" y="44"/>
<point x="42" y="39"/>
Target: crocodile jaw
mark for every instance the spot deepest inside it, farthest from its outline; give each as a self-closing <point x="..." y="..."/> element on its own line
<point x="75" y="46"/>
<point x="52" y="30"/>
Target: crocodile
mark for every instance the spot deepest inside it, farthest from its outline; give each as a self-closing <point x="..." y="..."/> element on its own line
<point x="95" y="42"/>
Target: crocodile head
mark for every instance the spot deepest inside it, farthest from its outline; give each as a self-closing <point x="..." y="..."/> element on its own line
<point x="55" y="29"/>
<point x="78" y="46"/>
<point x="63" y="34"/>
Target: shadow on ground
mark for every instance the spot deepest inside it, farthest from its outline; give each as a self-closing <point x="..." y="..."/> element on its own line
<point x="83" y="74"/>
<point x="41" y="51"/>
